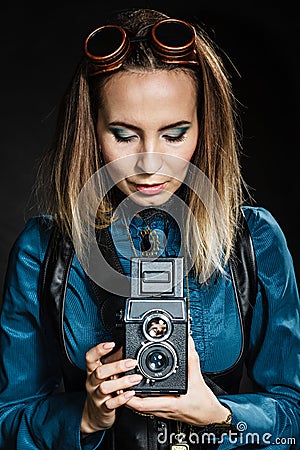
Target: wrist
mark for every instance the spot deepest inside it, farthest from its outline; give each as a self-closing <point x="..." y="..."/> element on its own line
<point x="222" y="415"/>
<point x="228" y="416"/>
<point x="86" y="427"/>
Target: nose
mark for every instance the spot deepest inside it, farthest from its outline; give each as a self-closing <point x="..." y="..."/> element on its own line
<point x="149" y="161"/>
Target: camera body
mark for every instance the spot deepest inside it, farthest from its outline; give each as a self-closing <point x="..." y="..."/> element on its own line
<point x="156" y="326"/>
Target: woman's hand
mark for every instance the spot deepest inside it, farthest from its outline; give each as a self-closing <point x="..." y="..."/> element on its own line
<point x="105" y="387"/>
<point x="198" y="407"/>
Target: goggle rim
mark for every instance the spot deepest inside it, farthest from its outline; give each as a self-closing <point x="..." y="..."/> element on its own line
<point x="110" y="55"/>
<point x="178" y="48"/>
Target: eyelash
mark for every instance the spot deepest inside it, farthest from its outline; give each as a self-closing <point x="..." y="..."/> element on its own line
<point x="124" y="139"/>
<point x="129" y="139"/>
<point x="179" y="138"/>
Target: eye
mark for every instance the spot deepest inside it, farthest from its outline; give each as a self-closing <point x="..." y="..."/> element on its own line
<point x="176" y="134"/>
<point x="122" y="135"/>
<point x="124" y="139"/>
<point x="180" y="138"/>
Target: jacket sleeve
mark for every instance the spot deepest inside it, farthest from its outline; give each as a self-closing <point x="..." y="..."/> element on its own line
<point x="32" y="415"/>
<point x="269" y="416"/>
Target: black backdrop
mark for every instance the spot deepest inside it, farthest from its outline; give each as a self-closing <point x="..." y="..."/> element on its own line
<point x="40" y="46"/>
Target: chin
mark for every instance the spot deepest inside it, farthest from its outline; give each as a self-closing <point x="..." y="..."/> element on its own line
<point x="150" y="200"/>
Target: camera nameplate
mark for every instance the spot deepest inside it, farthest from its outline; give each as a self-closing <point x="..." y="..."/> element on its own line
<point x="137" y="310"/>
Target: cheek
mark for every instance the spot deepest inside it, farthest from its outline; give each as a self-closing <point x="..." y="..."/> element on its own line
<point x="191" y="145"/>
<point x="109" y="154"/>
<point x="112" y="151"/>
<point x="189" y="151"/>
<point x="190" y="154"/>
<point x="107" y="146"/>
<point x="107" y="158"/>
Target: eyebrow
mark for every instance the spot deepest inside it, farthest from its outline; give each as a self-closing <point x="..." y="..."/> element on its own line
<point x="132" y="127"/>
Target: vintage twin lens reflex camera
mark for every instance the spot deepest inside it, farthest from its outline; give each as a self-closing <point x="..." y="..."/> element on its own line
<point x="156" y="326"/>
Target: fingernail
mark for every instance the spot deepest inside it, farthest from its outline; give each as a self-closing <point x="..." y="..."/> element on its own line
<point x="130" y="363"/>
<point x="135" y="378"/>
<point x="108" y="345"/>
<point x="129" y="394"/>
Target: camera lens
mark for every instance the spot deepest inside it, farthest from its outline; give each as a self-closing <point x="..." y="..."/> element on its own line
<point x="157" y="326"/>
<point x="156" y="361"/>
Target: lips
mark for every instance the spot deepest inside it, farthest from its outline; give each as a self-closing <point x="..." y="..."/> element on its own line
<point x="150" y="189"/>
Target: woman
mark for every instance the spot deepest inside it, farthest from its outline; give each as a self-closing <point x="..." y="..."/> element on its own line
<point x="151" y="113"/>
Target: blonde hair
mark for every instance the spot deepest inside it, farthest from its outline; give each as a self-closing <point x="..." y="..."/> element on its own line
<point x="74" y="156"/>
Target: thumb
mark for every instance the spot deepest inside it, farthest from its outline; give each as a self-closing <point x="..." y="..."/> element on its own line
<point x="192" y="349"/>
<point x="194" y="366"/>
<point x="193" y="356"/>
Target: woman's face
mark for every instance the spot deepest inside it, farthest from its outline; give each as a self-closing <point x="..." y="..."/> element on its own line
<point x="150" y="118"/>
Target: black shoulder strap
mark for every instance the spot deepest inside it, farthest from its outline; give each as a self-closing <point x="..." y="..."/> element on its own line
<point x="243" y="271"/>
<point x="54" y="276"/>
<point x="53" y="284"/>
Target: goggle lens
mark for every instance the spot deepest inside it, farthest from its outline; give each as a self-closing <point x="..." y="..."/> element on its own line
<point x="173" y="34"/>
<point x="105" y="42"/>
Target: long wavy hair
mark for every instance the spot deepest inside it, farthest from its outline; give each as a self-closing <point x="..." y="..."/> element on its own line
<point x="74" y="155"/>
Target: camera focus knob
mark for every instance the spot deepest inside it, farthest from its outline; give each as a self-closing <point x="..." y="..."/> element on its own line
<point x="119" y="318"/>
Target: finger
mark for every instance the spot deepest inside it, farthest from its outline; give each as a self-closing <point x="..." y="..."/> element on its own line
<point x="116" y="356"/>
<point x="153" y="404"/>
<point x="94" y="355"/>
<point x="105" y="371"/>
<point x="120" y="384"/>
<point x="119" y="400"/>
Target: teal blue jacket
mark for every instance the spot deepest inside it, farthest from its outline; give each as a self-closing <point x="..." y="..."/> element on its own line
<point x="34" y="416"/>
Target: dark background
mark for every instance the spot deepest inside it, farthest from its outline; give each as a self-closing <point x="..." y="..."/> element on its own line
<point x="40" y="46"/>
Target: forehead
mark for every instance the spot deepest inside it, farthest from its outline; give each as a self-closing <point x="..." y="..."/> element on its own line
<point x="145" y="92"/>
